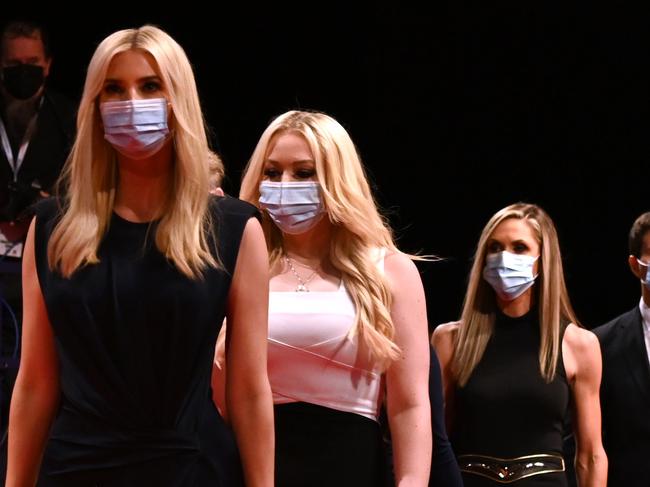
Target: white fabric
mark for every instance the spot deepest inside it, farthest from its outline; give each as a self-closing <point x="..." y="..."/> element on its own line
<point x="312" y="357"/>
<point x="645" y="313"/>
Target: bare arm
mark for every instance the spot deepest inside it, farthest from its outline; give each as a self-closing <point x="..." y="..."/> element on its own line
<point x="36" y="394"/>
<point x="407" y="379"/>
<point x="248" y="393"/>
<point x="219" y="374"/>
<point x="591" y="461"/>
<point x="443" y="343"/>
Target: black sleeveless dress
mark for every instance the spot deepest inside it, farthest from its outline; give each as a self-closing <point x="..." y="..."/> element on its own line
<point x="506" y="409"/>
<point x="135" y="341"/>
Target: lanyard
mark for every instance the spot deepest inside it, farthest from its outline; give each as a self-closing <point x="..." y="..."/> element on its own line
<point x="6" y="145"/>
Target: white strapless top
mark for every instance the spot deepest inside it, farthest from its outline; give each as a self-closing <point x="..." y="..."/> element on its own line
<point x="312" y="358"/>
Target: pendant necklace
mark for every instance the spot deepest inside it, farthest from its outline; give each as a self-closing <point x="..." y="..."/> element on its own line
<point x="302" y="283"/>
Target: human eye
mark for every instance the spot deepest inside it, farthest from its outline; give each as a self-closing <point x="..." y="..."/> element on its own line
<point x="520" y="248"/>
<point x="494" y="247"/>
<point x="112" y="89"/>
<point x="272" y="173"/>
<point x="151" y="86"/>
<point x="305" y="173"/>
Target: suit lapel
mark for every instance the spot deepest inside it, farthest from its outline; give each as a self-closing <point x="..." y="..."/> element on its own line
<point x="637" y="355"/>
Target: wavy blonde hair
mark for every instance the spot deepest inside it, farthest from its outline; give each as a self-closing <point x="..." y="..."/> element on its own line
<point x="555" y="311"/>
<point x="91" y="173"/>
<point x="358" y="228"/>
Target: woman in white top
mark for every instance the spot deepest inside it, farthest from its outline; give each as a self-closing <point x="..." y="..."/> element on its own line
<point x="347" y="313"/>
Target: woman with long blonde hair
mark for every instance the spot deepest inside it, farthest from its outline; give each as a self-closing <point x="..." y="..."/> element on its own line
<point x="517" y="361"/>
<point x="347" y="322"/>
<point x="127" y="279"/>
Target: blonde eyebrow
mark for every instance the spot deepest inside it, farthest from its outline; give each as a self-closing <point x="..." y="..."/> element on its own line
<point x="301" y="161"/>
<point x="146" y="78"/>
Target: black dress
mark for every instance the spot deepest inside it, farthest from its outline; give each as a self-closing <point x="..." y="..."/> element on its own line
<point x="135" y="341"/>
<point x="317" y="446"/>
<point x="506" y="409"/>
<point x="444" y="469"/>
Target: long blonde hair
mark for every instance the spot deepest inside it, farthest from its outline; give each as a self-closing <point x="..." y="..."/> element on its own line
<point x="358" y="228"/>
<point x="555" y="311"/>
<point x="91" y="172"/>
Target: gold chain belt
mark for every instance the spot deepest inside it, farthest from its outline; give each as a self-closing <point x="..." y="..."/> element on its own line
<point x="507" y="470"/>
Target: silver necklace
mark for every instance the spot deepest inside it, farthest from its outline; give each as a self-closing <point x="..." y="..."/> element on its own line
<point x="302" y="283"/>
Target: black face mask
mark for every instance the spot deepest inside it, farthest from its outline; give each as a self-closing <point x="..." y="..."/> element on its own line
<point x="23" y="80"/>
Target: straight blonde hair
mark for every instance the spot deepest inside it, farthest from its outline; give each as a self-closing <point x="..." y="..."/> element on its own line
<point x="90" y="176"/>
<point x="358" y="228"/>
<point x="478" y="316"/>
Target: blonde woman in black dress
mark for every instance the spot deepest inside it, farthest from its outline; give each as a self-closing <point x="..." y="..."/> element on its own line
<point x="517" y="363"/>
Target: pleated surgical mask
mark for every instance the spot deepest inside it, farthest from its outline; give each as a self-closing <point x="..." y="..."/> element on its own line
<point x="135" y="128"/>
<point x="295" y="207"/>
<point x="510" y="275"/>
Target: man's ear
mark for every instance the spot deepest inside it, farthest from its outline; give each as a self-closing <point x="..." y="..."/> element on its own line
<point x="46" y="68"/>
<point x="635" y="267"/>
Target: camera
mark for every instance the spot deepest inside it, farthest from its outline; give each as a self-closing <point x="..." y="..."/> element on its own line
<point x="17" y="198"/>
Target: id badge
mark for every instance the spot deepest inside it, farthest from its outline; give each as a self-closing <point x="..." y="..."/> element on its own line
<point x="10" y="249"/>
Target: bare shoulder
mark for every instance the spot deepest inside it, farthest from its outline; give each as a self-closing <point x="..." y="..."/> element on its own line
<point x="399" y="266"/>
<point x="583" y="361"/>
<point x="253" y="230"/>
<point x="445" y="334"/>
<point x="582" y="343"/>
<point x="253" y="242"/>
<point x="403" y="279"/>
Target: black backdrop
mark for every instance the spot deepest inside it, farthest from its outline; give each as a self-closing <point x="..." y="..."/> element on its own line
<point x="457" y="113"/>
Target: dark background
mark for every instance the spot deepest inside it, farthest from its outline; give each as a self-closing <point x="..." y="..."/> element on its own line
<point x="456" y="113"/>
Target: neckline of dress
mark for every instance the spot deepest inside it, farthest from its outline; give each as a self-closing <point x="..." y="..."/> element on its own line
<point x="121" y="219"/>
<point x="338" y="290"/>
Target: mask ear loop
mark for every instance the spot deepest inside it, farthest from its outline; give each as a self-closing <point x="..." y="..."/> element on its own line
<point x="645" y="281"/>
<point x="171" y="123"/>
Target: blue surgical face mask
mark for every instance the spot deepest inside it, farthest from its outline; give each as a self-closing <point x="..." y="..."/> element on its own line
<point x="646" y="277"/>
<point x="294" y="207"/>
<point x="135" y="128"/>
<point x="510" y="275"/>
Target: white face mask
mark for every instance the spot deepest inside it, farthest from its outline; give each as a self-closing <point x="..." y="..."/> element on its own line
<point x="136" y="128"/>
<point x="294" y="207"/>
<point x="510" y="275"/>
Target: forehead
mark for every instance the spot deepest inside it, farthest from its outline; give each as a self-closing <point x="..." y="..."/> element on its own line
<point x="22" y="47"/>
<point x="289" y="146"/>
<point x="514" y="229"/>
<point x="132" y="65"/>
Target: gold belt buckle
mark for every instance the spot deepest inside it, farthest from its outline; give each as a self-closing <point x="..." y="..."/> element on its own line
<point x="507" y="470"/>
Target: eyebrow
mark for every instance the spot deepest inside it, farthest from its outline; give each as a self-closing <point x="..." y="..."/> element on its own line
<point x="141" y="80"/>
<point x="519" y="241"/>
<point x="29" y="60"/>
<point x="301" y="161"/>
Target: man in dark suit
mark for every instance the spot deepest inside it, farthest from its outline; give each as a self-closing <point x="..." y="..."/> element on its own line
<point x="36" y="133"/>
<point x="625" y="388"/>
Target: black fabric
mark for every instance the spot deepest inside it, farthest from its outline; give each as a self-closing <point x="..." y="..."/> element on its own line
<point x="625" y="400"/>
<point x="318" y="446"/>
<point x="444" y="469"/>
<point x="506" y="409"/>
<point x="135" y="341"/>
<point x="46" y="154"/>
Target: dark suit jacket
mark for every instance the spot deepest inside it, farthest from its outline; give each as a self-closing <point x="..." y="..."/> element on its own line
<point x="625" y="400"/>
<point x="47" y="152"/>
